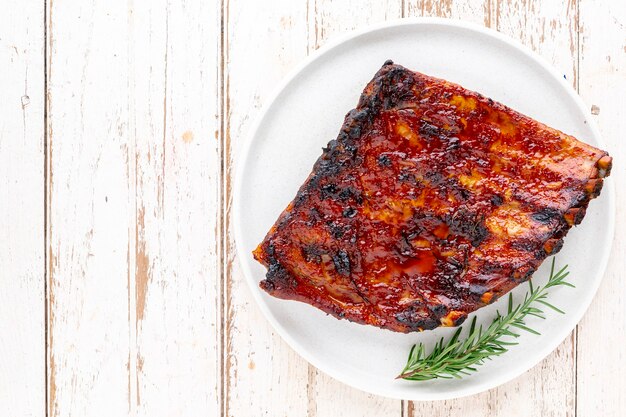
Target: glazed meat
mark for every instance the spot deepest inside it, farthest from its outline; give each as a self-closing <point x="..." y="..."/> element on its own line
<point x="432" y="202"/>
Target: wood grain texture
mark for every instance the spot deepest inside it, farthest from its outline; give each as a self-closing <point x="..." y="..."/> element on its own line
<point x="88" y="209"/>
<point x="176" y="175"/>
<point x="262" y="374"/>
<point x="601" y="360"/>
<point x="22" y="265"/>
<point x="133" y="203"/>
<point x="330" y="18"/>
<point x="549" y="29"/>
<point x="476" y="11"/>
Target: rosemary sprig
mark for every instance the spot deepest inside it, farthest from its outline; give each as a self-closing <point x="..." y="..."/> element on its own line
<point x="457" y="357"/>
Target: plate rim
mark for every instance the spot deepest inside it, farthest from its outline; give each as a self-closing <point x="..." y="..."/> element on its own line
<point x="244" y="152"/>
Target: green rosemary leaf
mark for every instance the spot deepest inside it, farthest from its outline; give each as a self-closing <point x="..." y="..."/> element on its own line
<point x="528" y="329"/>
<point x="547" y="304"/>
<point x="507" y="343"/>
<point x="456" y="336"/>
<point x="473" y="325"/>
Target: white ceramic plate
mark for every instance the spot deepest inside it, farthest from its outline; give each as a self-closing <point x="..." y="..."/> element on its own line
<point x="308" y="111"/>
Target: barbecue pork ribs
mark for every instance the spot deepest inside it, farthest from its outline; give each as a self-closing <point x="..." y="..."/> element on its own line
<point x="432" y="202"/>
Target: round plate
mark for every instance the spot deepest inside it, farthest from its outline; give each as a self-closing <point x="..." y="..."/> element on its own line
<point x="308" y="111"/>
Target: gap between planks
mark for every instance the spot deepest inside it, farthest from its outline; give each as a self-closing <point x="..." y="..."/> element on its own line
<point x="577" y="86"/>
<point x="48" y="363"/>
<point x="45" y="202"/>
<point x="223" y="225"/>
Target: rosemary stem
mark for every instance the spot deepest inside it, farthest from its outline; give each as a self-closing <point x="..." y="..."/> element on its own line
<point x="459" y="357"/>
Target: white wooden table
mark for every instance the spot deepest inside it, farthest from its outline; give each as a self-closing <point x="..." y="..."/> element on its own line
<point x="120" y="125"/>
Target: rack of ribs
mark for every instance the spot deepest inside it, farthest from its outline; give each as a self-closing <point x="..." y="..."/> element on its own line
<point x="432" y="202"/>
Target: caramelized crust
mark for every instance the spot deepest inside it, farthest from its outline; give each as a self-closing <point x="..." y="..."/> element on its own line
<point x="432" y="202"/>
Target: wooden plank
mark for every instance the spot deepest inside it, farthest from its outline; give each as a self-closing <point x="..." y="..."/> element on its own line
<point x="601" y="364"/>
<point x="22" y="264"/>
<point x="549" y="28"/>
<point x="329" y="397"/>
<point x="476" y="11"/>
<point x="133" y="201"/>
<point x="321" y="394"/>
<point x="262" y="374"/>
<point x="329" y="19"/>
<point x="89" y="203"/>
<point x="176" y="174"/>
